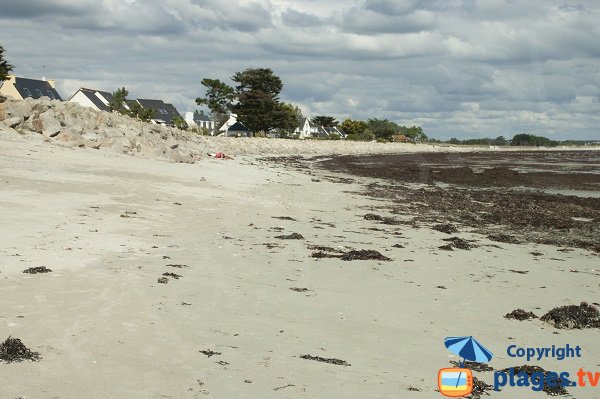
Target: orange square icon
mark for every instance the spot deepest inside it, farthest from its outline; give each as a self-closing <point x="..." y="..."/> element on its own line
<point x="455" y="382"/>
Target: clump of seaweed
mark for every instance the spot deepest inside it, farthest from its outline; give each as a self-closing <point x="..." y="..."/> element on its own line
<point x="520" y="314"/>
<point x="284" y="218"/>
<point x="321" y="255"/>
<point x="174" y="275"/>
<point x="36" y="270"/>
<point x="293" y="236"/>
<point x="505" y="238"/>
<point x="573" y="317"/>
<point x="209" y="353"/>
<point x="373" y="216"/>
<point x="460" y="243"/>
<point x="13" y="350"/>
<point x="445" y="228"/>
<point x="364" y="254"/>
<point x="296" y="289"/>
<point x="325" y="360"/>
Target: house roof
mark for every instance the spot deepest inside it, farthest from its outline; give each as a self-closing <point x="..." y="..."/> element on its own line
<point x="238" y="127"/>
<point x="201" y="117"/>
<point x="165" y="112"/>
<point x="92" y="95"/>
<point x="35" y="88"/>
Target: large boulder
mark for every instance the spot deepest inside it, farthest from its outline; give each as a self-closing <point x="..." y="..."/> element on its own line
<point x="120" y="145"/>
<point x="13" y="121"/>
<point x="12" y="109"/>
<point x="50" y="126"/>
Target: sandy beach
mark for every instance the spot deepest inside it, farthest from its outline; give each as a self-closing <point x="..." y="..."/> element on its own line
<point x="109" y="226"/>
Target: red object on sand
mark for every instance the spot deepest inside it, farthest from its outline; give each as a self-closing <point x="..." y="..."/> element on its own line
<point x="219" y="155"/>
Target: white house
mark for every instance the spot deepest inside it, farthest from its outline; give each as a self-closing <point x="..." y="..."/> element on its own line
<point x="234" y="128"/>
<point x="199" y="119"/>
<point x="307" y="129"/>
<point x="96" y="99"/>
<point x="336" y="130"/>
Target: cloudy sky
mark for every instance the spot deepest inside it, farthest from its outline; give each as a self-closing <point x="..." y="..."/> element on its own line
<point x="458" y="68"/>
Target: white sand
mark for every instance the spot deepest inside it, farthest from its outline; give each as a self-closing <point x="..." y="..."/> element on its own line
<point x="106" y="329"/>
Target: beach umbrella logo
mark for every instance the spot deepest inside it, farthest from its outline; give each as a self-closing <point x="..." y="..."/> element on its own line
<point x="458" y="381"/>
<point x="468" y="348"/>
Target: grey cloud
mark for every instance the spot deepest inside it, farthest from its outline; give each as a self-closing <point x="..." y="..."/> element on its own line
<point x="391" y="7"/>
<point x="295" y="18"/>
<point x="43" y="8"/>
<point x="247" y="17"/>
<point x="369" y="22"/>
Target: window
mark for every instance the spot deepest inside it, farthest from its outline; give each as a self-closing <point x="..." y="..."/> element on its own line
<point x="50" y="94"/>
<point x="163" y="111"/>
<point x="27" y="92"/>
<point x="39" y="92"/>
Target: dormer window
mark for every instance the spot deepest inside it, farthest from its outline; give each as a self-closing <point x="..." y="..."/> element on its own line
<point x="39" y="92"/>
<point x="50" y="94"/>
<point x="27" y="92"/>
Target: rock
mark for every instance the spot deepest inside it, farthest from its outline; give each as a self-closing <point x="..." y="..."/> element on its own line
<point x="7" y="130"/>
<point x="119" y="145"/>
<point x="50" y="126"/>
<point x="180" y="157"/>
<point x="13" y="121"/>
<point x="41" y="106"/>
<point x="90" y="136"/>
<point x="21" y="109"/>
<point x="92" y="144"/>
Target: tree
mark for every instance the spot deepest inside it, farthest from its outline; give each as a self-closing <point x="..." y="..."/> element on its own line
<point x="383" y="129"/>
<point x="219" y="99"/>
<point x="325" y="121"/>
<point x="5" y="67"/>
<point x="258" y="106"/>
<point x="291" y="116"/>
<point x="120" y="104"/>
<point x="500" y="140"/>
<point x="255" y="100"/>
<point x="179" y="122"/>
<point x="117" y="103"/>
<point x="414" y="132"/>
<point x="357" y="130"/>
<point x="524" y="139"/>
<point x="139" y="112"/>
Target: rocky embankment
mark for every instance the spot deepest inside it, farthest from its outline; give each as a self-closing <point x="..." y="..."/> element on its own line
<point x="72" y="125"/>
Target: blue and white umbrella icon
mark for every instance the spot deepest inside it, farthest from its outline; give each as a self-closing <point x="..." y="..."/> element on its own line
<point x="468" y="348"/>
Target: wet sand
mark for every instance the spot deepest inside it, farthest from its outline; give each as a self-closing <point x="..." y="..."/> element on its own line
<point x="252" y="315"/>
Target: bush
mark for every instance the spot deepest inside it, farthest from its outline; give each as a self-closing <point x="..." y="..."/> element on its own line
<point x="202" y="131"/>
<point x="368" y="136"/>
<point x="334" y="136"/>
